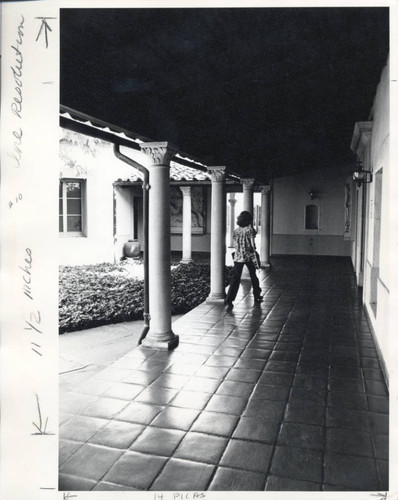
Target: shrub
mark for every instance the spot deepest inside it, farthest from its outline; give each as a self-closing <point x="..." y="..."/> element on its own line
<point x="95" y="295"/>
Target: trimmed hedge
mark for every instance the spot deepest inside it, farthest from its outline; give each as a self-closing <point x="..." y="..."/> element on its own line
<point x="101" y="294"/>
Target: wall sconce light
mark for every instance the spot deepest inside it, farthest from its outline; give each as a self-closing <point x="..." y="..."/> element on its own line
<point x="312" y="194"/>
<point x="362" y="176"/>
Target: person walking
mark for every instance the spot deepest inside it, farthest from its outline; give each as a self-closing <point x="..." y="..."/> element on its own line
<point x="243" y="238"/>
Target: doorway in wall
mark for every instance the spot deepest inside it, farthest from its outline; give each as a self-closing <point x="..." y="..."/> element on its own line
<point x="374" y="277"/>
<point x="311" y="217"/>
<point x="127" y="217"/>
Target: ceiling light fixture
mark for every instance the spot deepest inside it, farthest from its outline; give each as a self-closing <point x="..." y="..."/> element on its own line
<point x="312" y="194"/>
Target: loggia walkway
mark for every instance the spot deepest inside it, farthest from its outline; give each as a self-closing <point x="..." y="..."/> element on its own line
<point x="284" y="395"/>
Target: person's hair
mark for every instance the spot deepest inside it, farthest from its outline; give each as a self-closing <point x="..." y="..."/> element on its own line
<point x="244" y="219"/>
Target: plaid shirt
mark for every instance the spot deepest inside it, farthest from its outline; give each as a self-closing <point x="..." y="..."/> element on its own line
<point x="242" y="242"/>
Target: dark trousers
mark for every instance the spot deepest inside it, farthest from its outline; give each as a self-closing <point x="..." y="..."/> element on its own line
<point x="234" y="286"/>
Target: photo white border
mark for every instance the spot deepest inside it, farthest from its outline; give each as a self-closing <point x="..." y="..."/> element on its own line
<point x="29" y="248"/>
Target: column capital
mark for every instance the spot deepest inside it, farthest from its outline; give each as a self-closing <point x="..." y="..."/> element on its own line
<point x="186" y="190"/>
<point x="160" y="152"/>
<point x="232" y="201"/>
<point x="217" y="173"/>
<point x="265" y="189"/>
<point x="247" y="183"/>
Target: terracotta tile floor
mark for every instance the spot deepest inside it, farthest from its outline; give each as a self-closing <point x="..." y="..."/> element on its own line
<point x="283" y="395"/>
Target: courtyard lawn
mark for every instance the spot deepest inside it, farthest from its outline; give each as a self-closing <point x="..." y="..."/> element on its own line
<point x="101" y="294"/>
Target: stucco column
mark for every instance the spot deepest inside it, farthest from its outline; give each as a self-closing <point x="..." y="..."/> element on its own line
<point x="248" y="185"/>
<point x="265" y="226"/>
<point x="217" y="245"/>
<point x="160" y="334"/>
<point x="186" y="225"/>
<point x="232" y="201"/>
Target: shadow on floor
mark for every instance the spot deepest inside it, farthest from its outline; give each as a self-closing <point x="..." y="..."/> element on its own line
<point x="284" y="395"/>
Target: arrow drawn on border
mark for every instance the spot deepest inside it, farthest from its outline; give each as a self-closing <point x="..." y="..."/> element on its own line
<point x="44" y="27"/>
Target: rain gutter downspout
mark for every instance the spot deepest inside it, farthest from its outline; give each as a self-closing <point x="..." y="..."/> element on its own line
<point x="145" y="188"/>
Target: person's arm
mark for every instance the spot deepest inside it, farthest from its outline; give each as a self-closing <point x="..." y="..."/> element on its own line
<point x="252" y="238"/>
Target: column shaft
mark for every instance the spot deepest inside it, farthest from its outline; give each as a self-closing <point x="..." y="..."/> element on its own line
<point x="186" y="225"/>
<point x="265" y="227"/>
<point x="160" y="334"/>
<point x="217" y="245"/>
<point x="248" y="194"/>
<point x="232" y="201"/>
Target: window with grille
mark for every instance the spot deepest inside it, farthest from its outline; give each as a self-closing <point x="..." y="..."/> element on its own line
<point x="71" y="207"/>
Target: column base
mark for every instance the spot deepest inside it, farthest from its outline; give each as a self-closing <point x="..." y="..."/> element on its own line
<point x="186" y="261"/>
<point x="170" y="341"/>
<point x="216" y="299"/>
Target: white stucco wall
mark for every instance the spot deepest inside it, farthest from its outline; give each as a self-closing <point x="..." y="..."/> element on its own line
<point x="290" y="197"/>
<point x="378" y="279"/>
<point x="92" y="160"/>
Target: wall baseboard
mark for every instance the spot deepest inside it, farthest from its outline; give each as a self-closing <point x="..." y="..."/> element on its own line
<point x="303" y="244"/>
<point x="378" y="349"/>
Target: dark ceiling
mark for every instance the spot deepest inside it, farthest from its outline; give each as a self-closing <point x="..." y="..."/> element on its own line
<point x="265" y="91"/>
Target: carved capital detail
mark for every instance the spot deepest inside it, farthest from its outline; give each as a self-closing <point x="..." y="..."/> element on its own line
<point x="160" y="152"/>
<point x="247" y="183"/>
<point x="265" y="190"/>
<point x="217" y="173"/>
<point x="186" y="190"/>
<point x="232" y="201"/>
